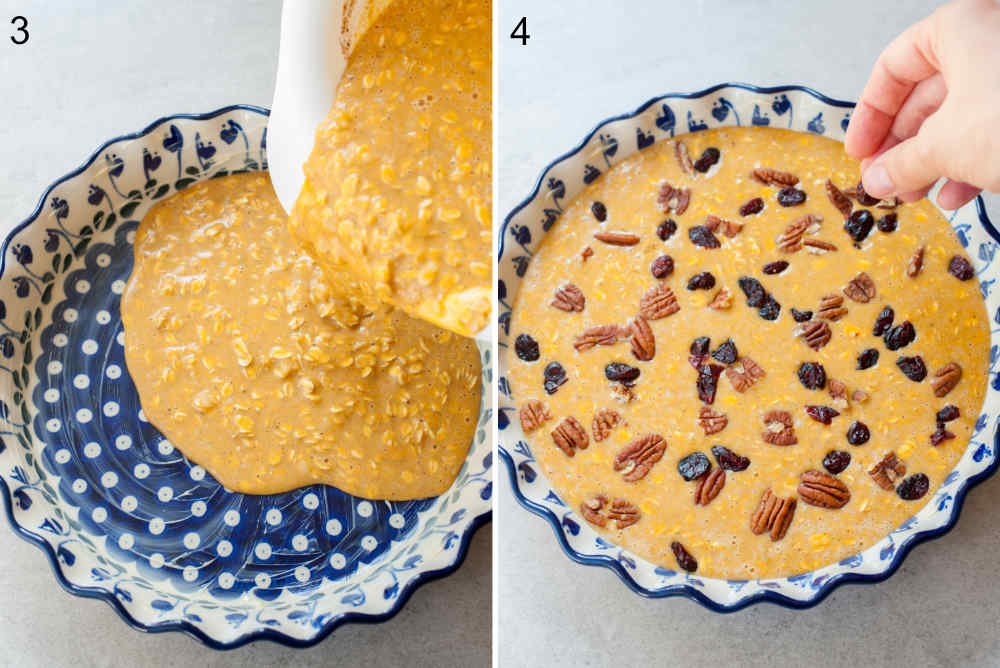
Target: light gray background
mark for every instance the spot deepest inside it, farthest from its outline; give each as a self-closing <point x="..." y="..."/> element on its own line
<point x="588" y="60"/>
<point x="85" y="76"/>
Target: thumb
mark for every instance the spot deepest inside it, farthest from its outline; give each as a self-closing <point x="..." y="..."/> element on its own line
<point x="912" y="165"/>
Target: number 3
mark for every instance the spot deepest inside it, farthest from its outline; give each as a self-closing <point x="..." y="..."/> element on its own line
<point x="22" y="29"/>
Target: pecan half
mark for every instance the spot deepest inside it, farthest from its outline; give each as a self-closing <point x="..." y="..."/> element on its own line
<point x="659" y="302"/>
<point x="569" y="298"/>
<point x="773" y="514"/>
<point x="946" y="378"/>
<point x="643" y="342"/>
<point x="591" y="510"/>
<point x="861" y="288"/>
<point x="818" y="246"/>
<point x="772" y="177"/>
<point x="710" y="483"/>
<point x="533" y="415"/>
<point x="598" y="510"/>
<point x="779" y="428"/>
<point x="823" y="490"/>
<point x="712" y="422"/>
<point x="887" y="471"/>
<point x="722" y="301"/>
<point x="636" y="459"/>
<point x="744" y="374"/>
<point x="889" y="203"/>
<point x="570" y="436"/>
<point x="683" y="157"/>
<point x="838" y="391"/>
<point x="915" y="263"/>
<point x="623" y="513"/>
<point x="790" y="240"/>
<point x="617" y="238"/>
<point x="673" y="199"/>
<point x="604" y="421"/>
<point x="815" y="333"/>
<point x="602" y="335"/>
<point x="839" y="200"/>
<point x="728" y="227"/>
<point x="831" y="307"/>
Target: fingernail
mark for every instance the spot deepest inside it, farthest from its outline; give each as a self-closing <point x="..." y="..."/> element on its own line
<point x="877" y="182"/>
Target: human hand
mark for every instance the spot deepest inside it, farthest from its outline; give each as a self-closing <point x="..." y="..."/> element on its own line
<point x="931" y="108"/>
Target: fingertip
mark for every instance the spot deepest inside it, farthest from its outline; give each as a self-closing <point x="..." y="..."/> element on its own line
<point x="877" y="182"/>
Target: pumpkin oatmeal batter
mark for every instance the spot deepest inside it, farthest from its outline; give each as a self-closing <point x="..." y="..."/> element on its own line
<point x="730" y="366"/>
<point x="271" y="376"/>
<point x="398" y="186"/>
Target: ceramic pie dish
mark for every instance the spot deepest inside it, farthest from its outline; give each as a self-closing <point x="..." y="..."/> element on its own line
<point x="524" y="229"/>
<point x="120" y="513"/>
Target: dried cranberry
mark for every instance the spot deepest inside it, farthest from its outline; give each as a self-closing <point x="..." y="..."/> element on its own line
<point x="888" y="223"/>
<point x="960" y="268"/>
<point x="684" y="558"/>
<point x="709" y="157"/>
<point x="600" y="211"/>
<point x="729" y="460"/>
<point x="702" y="281"/>
<point x="912" y="367"/>
<point x="864" y="199"/>
<point x="755" y="292"/>
<point x="859" y="225"/>
<point x="775" y="267"/>
<point x="812" y="375"/>
<point x="666" y="229"/>
<point x="858" y="433"/>
<point x="555" y="375"/>
<point x="822" y="414"/>
<point x="756" y="205"/>
<point x="900" y="336"/>
<point x="948" y="413"/>
<point x="700" y="345"/>
<point x="622" y="373"/>
<point x="790" y="196"/>
<point x="884" y="321"/>
<point x="801" y="316"/>
<point x="703" y="237"/>
<point x="836" y="461"/>
<point x="770" y="310"/>
<point x="693" y="466"/>
<point x="914" y="487"/>
<point x="708" y="382"/>
<point x="662" y="266"/>
<point x="941" y="435"/>
<point x="867" y="359"/>
<point x="526" y="347"/>
<point x="726" y="353"/>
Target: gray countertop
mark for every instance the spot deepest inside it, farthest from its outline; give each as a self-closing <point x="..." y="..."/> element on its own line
<point x="600" y="59"/>
<point x="86" y="76"/>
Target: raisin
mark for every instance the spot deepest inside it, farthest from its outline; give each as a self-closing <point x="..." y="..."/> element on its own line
<point x="900" y="336"/>
<point x="708" y="381"/>
<point x="756" y="205"/>
<point x="729" y="460"/>
<point x="622" y="373"/>
<point x="693" y="466"/>
<point x="948" y="413"/>
<point x="770" y="310"/>
<point x="888" y="223"/>
<point x="960" y="268"/>
<point x="709" y="157"/>
<point x="912" y="367"/>
<point x="790" y="196"/>
<point x="703" y="237"/>
<point x="666" y="229"/>
<point x="526" y="348"/>
<point x="812" y="375"/>
<point x="884" y="321"/>
<point x="864" y="199"/>
<point x="867" y="359"/>
<point x="858" y="433"/>
<point x="836" y="461"/>
<point x="859" y="224"/>
<point x="822" y="414"/>
<point x="555" y="375"/>
<point x="941" y="435"/>
<point x="662" y="266"/>
<point x="914" y="487"/>
<point x="755" y="292"/>
<point x="775" y="267"/>
<point x="726" y="353"/>
<point x="600" y="211"/>
<point x="702" y="281"/>
<point x="684" y="558"/>
<point x="700" y="346"/>
<point x="801" y="316"/>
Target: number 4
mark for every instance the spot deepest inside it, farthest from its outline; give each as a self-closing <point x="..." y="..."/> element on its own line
<point x="523" y="35"/>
